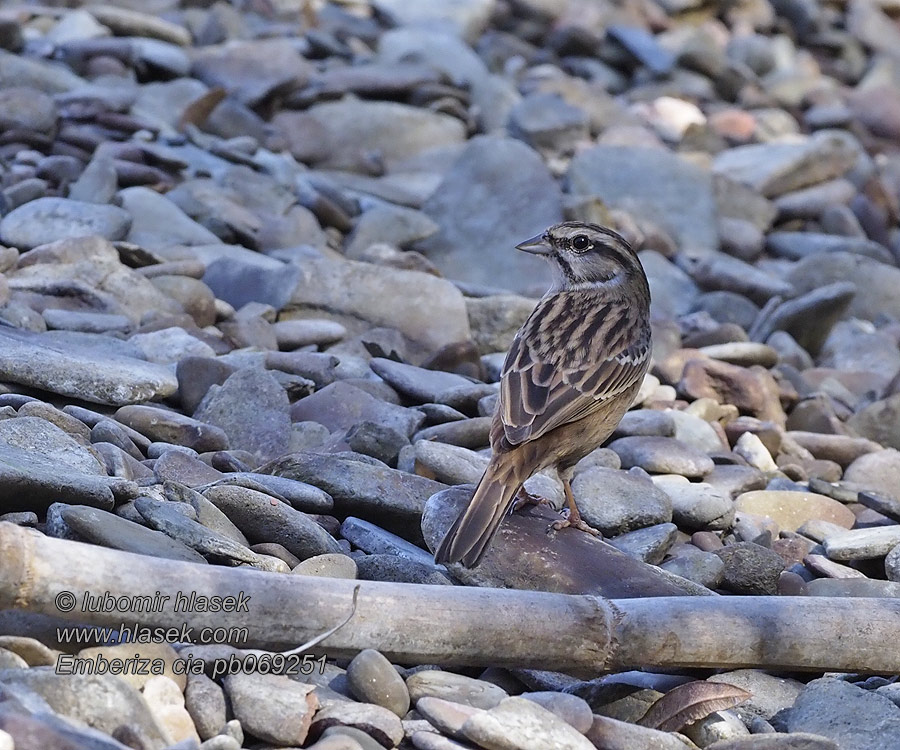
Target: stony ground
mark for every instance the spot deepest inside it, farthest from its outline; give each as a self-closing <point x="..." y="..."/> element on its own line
<point x="257" y="280"/>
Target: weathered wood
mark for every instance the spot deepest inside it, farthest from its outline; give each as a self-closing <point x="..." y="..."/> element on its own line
<point x="414" y="624"/>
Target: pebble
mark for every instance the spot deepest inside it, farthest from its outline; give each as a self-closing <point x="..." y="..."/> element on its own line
<point x="862" y="544"/>
<point x="373" y="679"/>
<point x="273" y="708"/>
<point x="790" y="510"/>
<point x="522" y="723"/>
<point x="750" y="569"/>
<point x="616" y="501"/>
<point x="455" y="688"/>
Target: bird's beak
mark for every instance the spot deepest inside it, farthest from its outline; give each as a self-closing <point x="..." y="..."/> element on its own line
<point x="537" y="245"/>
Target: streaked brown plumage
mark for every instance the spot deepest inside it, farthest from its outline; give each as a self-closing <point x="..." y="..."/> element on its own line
<point x="571" y="373"/>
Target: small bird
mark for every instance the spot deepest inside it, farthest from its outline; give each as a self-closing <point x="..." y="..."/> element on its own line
<point x="572" y="371"/>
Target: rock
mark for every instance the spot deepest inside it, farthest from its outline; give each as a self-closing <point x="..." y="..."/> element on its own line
<point x="614" y="733"/>
<point x="400" y="570"/>
<point x="854" y="718"/>
<point x="877" y="471"/>
<point x="453" y="687"/>
<point x="654" y="185"/>
<point x="571" y="709"/>
<point x="649" y="544"/>
<point x="373" y="679"/>
<point x="862" y="544"/>
<point x="750" y="569"/>
<point x="428" y="310"/>
<point x="50" y="219"/>
<point x="27" y="109"/>
<point x="354" y="130"/>
<point x="171" y="427"/>
<point x="252" y="409"/>
<point x="517" y="722"/>
<point x="329" y="565"/>
<point x="116" y="380"/>
<point x="264" y="519"/>
<point x="876" y="278"/>
<point x="547" y="121"/>
<point x="205" y="702"/>
<point x="720" y="271"/>
<point x="294" y="334"/>
<point x="301" y="496"/>
<point x="616" y="501"/>
<point x="752" y="390"/>
<point x="672" y="291"/>
<point x="878" y="421"/>
<point x="360" y="489"/>
<point x="109" y="530"/>
<point x="340" y="406"/>
<point x="643" y="47"/>
<point x="798" y="245"/>
<point x="166" y="702"/>
<point x="662" y="455"/>
<point x="157" y="222"/>
<point x="468" y="18"/>
<point x="790" y="510"/>
<point x="773" y="169"/>
<point x="704" y="568"/>
<point x="516" y="197"/>
<point x="417" y="383"/>
<point x="252" y="71"/>
<point x="273" y="708"/>
<point x="103" y="702"/>
<point x="696" y="505"/>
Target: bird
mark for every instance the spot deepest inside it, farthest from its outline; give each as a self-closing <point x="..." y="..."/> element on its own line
<point x="571" y="373"/>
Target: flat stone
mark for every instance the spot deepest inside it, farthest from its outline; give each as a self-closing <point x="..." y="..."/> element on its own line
<point x="115" y="532"/>
<point x="862" y="544"/>
<point x="171" y="427"/>
<point x="395" y="569"/>
<point x="517" y="722"/>
<point x="790" y="510"/>
<point x="428" y="310"/>
<point x="704" y="568"/>
<point x="362" y="720"/>
<point x="753" y="390"/>
<point x="649" y="544"/>
<point x="264" y="519"/>
<point x="49" y="219"/>
<point x="374" y="540"/>
<point x="340" y="406"/>
<point x="454" y="687"/>
<point x="497" y="193"/>
<point x="878" y="471"/>
<point x="45" y="439"/>
<point x="662" y="455"/>
<point x="329" y="565"/>
<point x="654" y="185"/>
<point x="360" y="489"/>
<point x="773" y="169"/>
<point x="300" y="495"/>
<point x="797" y="245"/>
<point x="116" y="380"/>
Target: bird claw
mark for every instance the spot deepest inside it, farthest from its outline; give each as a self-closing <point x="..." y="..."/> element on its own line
<point x="524" y="498"/>
<point x="577" y="523"/>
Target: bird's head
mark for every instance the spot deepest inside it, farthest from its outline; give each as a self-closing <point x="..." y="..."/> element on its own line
<point x="584" y="255"/>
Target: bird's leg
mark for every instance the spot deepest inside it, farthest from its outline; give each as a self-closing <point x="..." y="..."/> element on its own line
<point x="574" y="518"/>
<point x="524" y="498"/>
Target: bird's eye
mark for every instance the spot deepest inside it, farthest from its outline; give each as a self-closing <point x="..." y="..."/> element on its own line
<point x="580" y="243"/>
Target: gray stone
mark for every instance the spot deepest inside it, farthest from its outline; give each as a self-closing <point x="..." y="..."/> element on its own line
<point x="373" y="679"/>
<point x="862" y="544"/>
<point x="722" y="272"/>
<point x="642" y="45"/>
<point x="517" y="722"/>
<point x="797" y="245"/>
<point x="395" y="225"/>
<point x="697" y="505"/>
<point x="165" y="426"/>
<point x="769" y="693"/>
<point x="329" y="565"/>
<point x="773" y="169"/>
<point x="547" y="122"/>
<point x="264" y="519"/>
<point x="205" y="702"/>
<point x="414" y="382"/>
<point x="375" y="541"/>
<point x="854" y="718"/>
<point x="272" y="707"/>
<point x="253" y="411"/>
<point x="158" y="222"/>
<point x="468" y="18"/>
<point x="496" y="194"/>
<point x="672" y="291"/>
<point x="662" y="455"/>
<point x="353" y="130"/>
<point x="428" y="310"/>
<point x="110" y="530"/>
<point x="649" y="544"/>
<point x="878" y="471"/>
<point x="49" y="219"/>
<point x="42" y="438"/>
<point x="103" y="702"/>
<point x="616" y="501"/>
<point x="27" y="359"/>
<point x="301" y="496"/>
<point x="395" y="569"/>
<point x="454" y="687"/>
<point x="704" y="568"/>
<point x="653" y="185"/>
<point x="340" y="406"/>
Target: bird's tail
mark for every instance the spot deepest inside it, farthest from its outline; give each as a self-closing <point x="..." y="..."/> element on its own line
<point x="471" y="533"/>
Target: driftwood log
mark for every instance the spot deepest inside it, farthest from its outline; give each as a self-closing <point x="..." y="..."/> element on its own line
<point x="456" y="625"/>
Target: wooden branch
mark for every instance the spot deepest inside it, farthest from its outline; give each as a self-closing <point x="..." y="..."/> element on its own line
<point x="416" y="624"/>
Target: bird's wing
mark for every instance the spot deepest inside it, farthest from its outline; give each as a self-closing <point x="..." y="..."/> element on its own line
<point x="566" y="362"/>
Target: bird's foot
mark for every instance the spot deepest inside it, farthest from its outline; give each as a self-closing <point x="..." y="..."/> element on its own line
<point x="524" y="498"/>
<point x="575" y="523"/>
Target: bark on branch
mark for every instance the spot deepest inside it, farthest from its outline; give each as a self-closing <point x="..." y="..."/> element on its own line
<point x="415" y="624"/>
